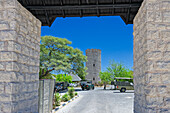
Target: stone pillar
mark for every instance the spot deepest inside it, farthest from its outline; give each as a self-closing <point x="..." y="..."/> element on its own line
<point x="152" y="57"/>
<point x="19" y="58"/>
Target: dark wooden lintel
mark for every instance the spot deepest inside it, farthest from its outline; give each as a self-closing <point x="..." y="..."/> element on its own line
<point x="68" y="7"/>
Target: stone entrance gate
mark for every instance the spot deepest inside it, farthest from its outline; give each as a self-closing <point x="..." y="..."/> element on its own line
<point x="19" y="58"/>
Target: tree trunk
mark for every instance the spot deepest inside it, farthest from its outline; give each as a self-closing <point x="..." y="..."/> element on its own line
<point x="104" y="85"/>
<point x="47" y="72"/>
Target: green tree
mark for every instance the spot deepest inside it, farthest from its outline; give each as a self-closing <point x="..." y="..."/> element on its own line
<point x="105" y="78"/>
<point x="77" y="60"/>
<point x="48" y="76"/>
<point x="115" y="70"/>
<point x="57" y="99"/>
<point x="56" y="54"/>
<point x="119" y="70"/>
<point x="71" y="92"/>
<point x="63" y="78"/>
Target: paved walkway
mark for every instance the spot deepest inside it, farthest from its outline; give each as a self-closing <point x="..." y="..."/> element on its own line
<point x="100" y="101"/>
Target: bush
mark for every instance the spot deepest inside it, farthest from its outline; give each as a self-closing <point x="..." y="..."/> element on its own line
<point x="57" y="99"/>
<point x="65" y="98"/>
<point x="76" y="93"/>
<point x="100" y="83"/>
<point x="71" y="92"/>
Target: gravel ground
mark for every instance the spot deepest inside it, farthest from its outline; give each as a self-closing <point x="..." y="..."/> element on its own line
<point x="100" y="101"/>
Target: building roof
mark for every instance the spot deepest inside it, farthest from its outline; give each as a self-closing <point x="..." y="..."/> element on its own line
<point x="123" y="78"/>
<point x="75" y="78"/>
<point x="47" y="10"/>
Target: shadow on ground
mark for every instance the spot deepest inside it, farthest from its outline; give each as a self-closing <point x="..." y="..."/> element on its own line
<point x="63" y="91"/>
<point x="123" y="92"/>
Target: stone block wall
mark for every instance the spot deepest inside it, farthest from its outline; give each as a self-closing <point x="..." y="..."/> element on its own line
<point x="93" y="64"/>
<point x="152" y="57"/>
<point x="19" y="58"/>
<point x="46" y="91"/>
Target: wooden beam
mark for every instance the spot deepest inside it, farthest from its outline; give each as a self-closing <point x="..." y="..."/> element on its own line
<point x="24" y="2"/>
<point x="63" y="12"/>
<point x="27" y="2"/>
<point x="113" y="11"/>
<point x="87" y="1"/>
<point x="128" y="14"/>
<point x="46" y="14"/>
<point x="98" y="13"/>
<point x="84" y="15"/>
<point x="69" y="7"/>
<point x="81" y="13"/>
<point x="61" y="2"/>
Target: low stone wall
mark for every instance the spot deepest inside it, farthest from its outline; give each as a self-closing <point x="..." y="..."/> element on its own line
<point x="46" y="93"/>
<point x="152" y="57"/>
<point x="19" y="58"/>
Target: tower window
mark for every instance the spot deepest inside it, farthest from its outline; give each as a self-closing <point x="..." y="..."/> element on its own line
<point x="93" y="65"/>
<point x="93" y="78"/>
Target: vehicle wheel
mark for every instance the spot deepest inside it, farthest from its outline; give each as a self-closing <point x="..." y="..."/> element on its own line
<point x="82" y="88"/>
<point x="123" y="90"/>
<point x="93" y="88"/>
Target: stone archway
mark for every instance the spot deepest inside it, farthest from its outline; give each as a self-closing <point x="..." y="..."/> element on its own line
<point x="19" y="57"/>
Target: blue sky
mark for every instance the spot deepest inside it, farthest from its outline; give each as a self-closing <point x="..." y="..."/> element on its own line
<point x="108" y="33"/>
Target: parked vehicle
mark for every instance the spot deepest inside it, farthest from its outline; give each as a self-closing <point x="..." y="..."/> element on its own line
<point x="64" y="85"/>
<point x="123" y="84"/>
<point x="61" y="86"/>
<point x="87" y="85"/>
<point x="58" y="87"/>
<point x="73" y="85"/>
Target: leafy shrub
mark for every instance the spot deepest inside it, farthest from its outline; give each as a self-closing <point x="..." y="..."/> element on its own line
<point x="71" y="92"/>
<point x="65" y="98"/>
<point x="100" y="83"/>
<point x="57" y="99"/>
<point x="76" y="93"/>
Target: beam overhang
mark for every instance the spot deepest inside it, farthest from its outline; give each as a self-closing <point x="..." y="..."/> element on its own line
<point x="48" y="10"/>
<point x="68" y="7"/>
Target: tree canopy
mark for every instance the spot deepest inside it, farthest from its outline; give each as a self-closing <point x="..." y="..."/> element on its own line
<point x="119" y="70"/>
<point x="56" y="54"/>
<point x="63" y="78"/>
<point x="105" y="78"/>
<point x="115" y="70"/>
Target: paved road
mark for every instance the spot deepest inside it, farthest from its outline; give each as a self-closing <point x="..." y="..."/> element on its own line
<point x="100" y="101"/>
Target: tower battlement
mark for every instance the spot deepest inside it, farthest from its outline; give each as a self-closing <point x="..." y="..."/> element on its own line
<point x="93" y="50"/>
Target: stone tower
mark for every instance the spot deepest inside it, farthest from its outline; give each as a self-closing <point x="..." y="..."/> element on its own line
<point x="93" y="64"/>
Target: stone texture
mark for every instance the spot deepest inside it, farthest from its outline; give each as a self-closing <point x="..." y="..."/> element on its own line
<point x="19" y="58"/>
<point x="152" y="57"/>
<point x="93" y="64"/>
<point x="46" y="90"/>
